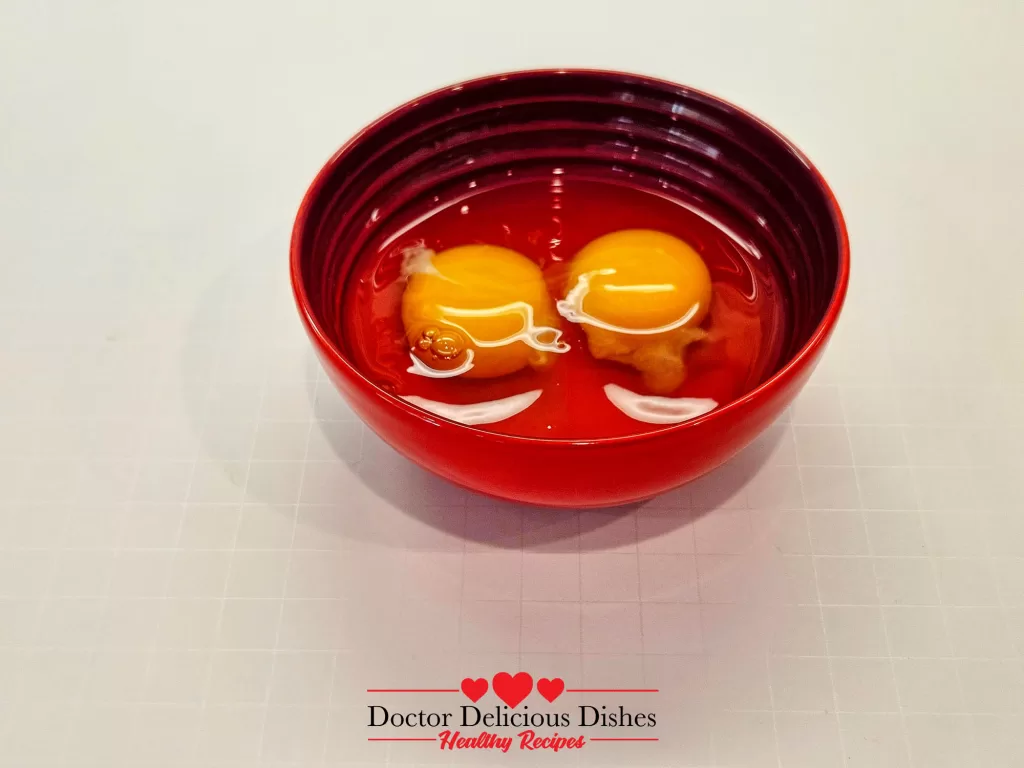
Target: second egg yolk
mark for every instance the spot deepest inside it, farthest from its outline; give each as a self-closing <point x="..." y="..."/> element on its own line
<point x="640" y="296"/>
<point x="477" y="311"/>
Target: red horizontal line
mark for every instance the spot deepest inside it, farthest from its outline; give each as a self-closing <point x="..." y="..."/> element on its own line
<point x="401" y="739"/>
<point x="624" y="739"/>
<point x="412" y="690"/>
<point x="611" y="690"/>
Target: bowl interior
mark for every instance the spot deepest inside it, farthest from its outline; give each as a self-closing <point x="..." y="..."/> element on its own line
<point x="680" y="143"/>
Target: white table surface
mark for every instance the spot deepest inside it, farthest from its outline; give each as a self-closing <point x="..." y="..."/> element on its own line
<point x="205" y="560"/>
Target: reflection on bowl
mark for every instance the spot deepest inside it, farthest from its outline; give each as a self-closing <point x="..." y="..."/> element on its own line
<point x="700" y="150"/>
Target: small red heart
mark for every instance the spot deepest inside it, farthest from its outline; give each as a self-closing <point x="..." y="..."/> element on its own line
<point x="512" y="690"/>
<point x="474" y="689"/>
<point x="550" y="689"/>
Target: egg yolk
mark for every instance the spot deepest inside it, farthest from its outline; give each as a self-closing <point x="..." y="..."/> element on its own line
<point x="478" y="311"/>
<point x="640" y="296"/>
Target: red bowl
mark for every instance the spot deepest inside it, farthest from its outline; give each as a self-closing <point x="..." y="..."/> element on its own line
<point x="693" y="146"/>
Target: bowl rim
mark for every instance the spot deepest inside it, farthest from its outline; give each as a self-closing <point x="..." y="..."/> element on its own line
<point x="770" y="386"/>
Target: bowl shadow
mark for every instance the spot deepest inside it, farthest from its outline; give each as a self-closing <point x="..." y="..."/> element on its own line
<point x="229" y="359"/>
<point x="443" y="511"/>
<point x="358" y="489"/>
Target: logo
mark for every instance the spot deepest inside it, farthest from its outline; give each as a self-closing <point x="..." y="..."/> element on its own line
<point x="509" y="723"/>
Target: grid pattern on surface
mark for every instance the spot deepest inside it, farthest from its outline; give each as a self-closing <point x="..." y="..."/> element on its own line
<point x="206" y="560"/>
<point x="215" y="575"/>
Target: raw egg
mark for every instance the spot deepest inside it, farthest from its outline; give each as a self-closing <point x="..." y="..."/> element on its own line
<point x="640" y="296"/>
<point x="478" y="311"/>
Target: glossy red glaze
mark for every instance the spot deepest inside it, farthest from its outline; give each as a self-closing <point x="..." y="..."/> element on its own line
<point x="645" y="132"/>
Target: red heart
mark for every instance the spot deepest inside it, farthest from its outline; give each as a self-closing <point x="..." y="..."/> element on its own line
<point x="550" y="689"/>
<point x="474" y="689"/>
<point x="512" y="690"/>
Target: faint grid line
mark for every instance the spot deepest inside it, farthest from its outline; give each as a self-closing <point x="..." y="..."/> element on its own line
<point x="47" y="598"/>
<point x="771" y="701"/>
<point x="255" y="649"/>
<point x="116" y="551"/>
<point x="330" y="703"/>
<point x="284" y="589"/>
<point x="579" y="576"/>
<point x="177" y="539"/>
<point x="77" y="705"/>
<point x="1003" y="611"/>
<point x="639" y="584"/>
<point x="163" y="600"/>
<point x="691" y="516"/>
<point x="522" y="578"/>
<point x="934" y="713"/>
<point x="821" y="618"/>
<point x="218" y="624"/>
<point x="886" y="606"/>
<point x="334" y="657"/>
<point x="874" y="576"/>
<point x="934" y="568"/>
<point x="732" y="553"/>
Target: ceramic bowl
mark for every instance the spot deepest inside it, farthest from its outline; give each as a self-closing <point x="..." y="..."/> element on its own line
<point x="693" y="146"/>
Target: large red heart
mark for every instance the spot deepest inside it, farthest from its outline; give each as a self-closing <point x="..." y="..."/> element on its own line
<point x="550" y="689"/>
<point x="512" y="690"/>
<point x="474" y="689"/>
